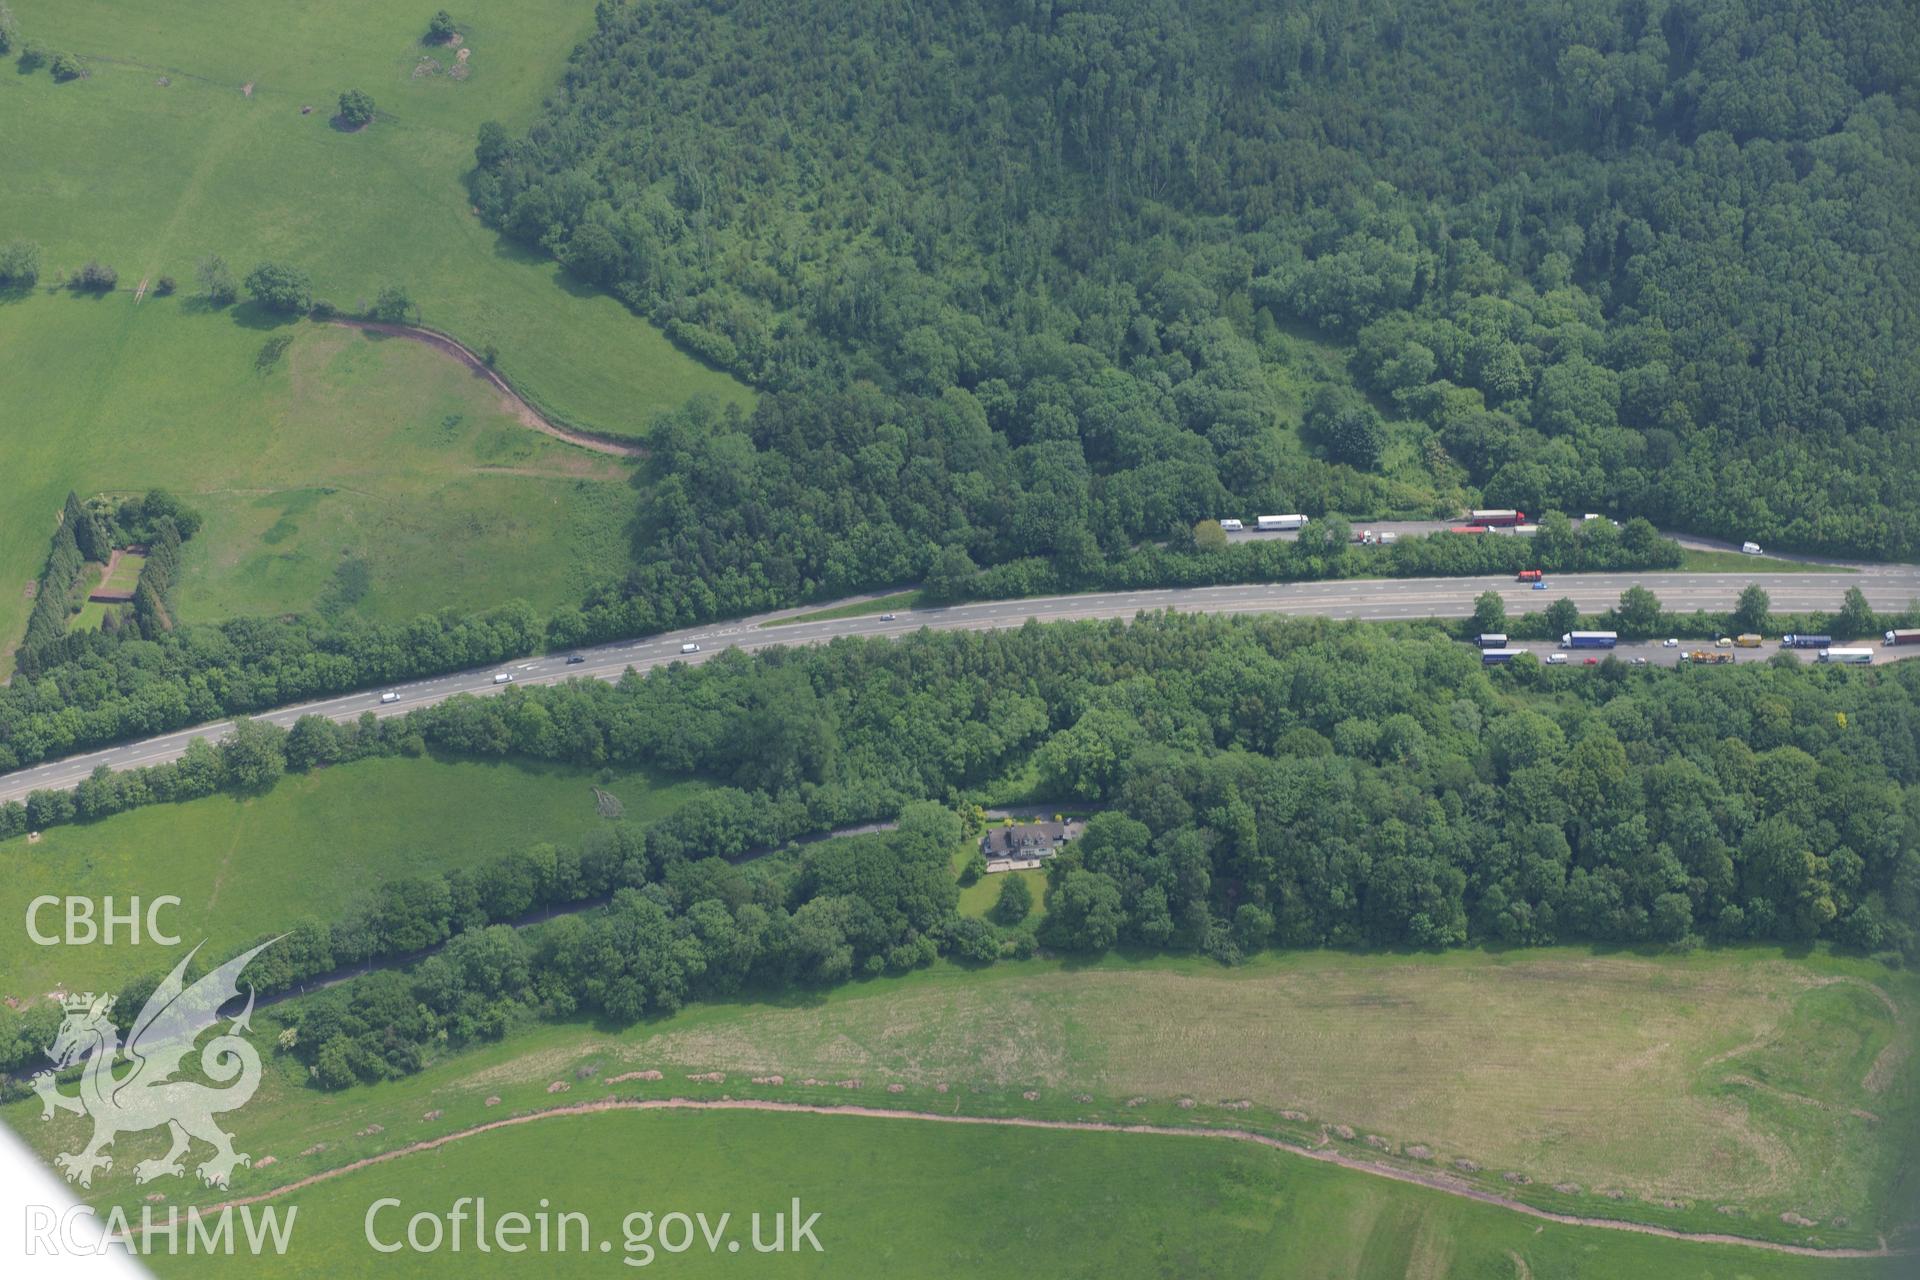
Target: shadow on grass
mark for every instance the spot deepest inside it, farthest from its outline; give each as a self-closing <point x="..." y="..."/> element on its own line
<point x="254" y="315"/>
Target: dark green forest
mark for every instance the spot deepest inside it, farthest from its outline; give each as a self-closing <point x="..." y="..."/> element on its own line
<point x="1055" y="279"/>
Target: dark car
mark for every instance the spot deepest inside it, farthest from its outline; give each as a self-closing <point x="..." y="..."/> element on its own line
<point x="573" y="658"/>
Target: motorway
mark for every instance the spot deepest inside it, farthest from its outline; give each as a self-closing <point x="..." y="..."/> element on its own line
<point x="1887" y="587"/>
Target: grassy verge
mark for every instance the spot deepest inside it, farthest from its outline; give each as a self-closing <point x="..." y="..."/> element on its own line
<point x="1698" y="561"/>
<point x="242" y="866"/>
<point x="860" y="609"/>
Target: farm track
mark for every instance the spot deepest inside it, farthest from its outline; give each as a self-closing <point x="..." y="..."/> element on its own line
<point x="1433" y="1182"/>
<point x="516" y="403"/>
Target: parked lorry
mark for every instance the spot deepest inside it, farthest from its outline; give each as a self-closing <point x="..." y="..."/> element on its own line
<point x="1491" y="640"/>
<point x="1748" y="640"/>
<point x="1496" y="657"/>
<point x="1855" y="657"/>
<point x="1496" y="516"/>
<point x="1589" y="639"/>
<point x="1712" y="657"/>
<point x="1282" y="523"/>
<point x="1796" y="640"/>
<point x="1903" y="637"/>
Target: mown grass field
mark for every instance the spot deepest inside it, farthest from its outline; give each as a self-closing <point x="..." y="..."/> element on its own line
<point x="1711" y="1093"/>
<point x="1736" y="1076"/>
<point x="916" y="1198"/>
<point x="220" y="160"/>
<point x="308" y="848"/>
<point x="343" y="471"/>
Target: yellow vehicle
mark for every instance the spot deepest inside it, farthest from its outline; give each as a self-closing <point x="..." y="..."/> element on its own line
<point x="1748" y="641"/>
<point x="1709" y="655"/>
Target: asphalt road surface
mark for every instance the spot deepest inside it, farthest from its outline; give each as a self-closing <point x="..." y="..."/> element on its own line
<point x="1886" y="587"/>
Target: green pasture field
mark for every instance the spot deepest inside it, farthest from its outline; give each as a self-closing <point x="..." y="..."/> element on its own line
<point x="243" y="866"/>
<point x="1709" y="1093"/>
<point x="341" y="471"/>
<point x="915" y="1198"/>
<point x="150" y="178"/>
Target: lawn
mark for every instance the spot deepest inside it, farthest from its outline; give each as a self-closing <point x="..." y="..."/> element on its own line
<point x="149" y="178"/>
<point x="308" y="848"/>
<point x="977" y="899"/>
<point x="915" y="1198"/>
<point x="342" y="470"/>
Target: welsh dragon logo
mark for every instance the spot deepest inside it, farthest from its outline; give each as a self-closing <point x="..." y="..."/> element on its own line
<point x="147" y="1096"/>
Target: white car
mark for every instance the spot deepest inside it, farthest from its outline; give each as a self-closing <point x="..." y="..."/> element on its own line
<point x="1669" y="643"/>
<point x="689" y="648"/>
<point x="1557" y="659"/>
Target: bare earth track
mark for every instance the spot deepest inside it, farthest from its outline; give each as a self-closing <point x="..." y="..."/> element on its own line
<point x="1435" y="1181"/>
<point x="515" y="403"/>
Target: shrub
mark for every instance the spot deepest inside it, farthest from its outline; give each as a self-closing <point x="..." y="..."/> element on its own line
<point x="440" y="29"/>
<point x="96" y="277"/>
<point x="281" y="288"/>
<point x="67" y="67"/>
<point x="323" y="310"/>
<point x="356" y="109"/>
<point x="33" y="55"/>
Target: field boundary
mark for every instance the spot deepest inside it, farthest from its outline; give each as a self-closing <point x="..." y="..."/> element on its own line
<point x="523" y="408"/>
<point x="1433" y="1182"/>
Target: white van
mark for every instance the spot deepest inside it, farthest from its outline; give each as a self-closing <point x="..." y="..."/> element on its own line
<point x="389" y="696"/>
<point x="505" y="677"/>
<point x="1231" y="525"/>
<point x="689" y="648"/>
<point x="1750" y="548"/>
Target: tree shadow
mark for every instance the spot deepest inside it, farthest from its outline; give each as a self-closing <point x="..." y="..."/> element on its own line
<point x="254" y="315"/>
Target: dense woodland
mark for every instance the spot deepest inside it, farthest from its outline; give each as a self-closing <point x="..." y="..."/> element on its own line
<point x="1265" y="782"/>
<point x="1050" y="279"/>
